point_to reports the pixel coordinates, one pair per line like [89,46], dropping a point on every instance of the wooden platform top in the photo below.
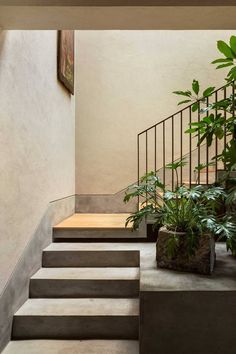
[111,221]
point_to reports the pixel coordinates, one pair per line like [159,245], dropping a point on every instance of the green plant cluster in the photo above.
[219,120]
[194,211]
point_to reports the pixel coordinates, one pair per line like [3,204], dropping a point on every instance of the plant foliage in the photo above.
[193,211]
[219,120]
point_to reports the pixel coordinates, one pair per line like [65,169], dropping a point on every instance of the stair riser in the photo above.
[73,347]
[100,233]
[75,327]
[53,288]
[90,259]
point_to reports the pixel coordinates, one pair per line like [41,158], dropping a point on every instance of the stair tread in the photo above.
[79,307]
[94,221]
[73,346]
[109,246]
[104,273]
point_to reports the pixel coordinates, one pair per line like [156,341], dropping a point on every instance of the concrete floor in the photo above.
[153,279]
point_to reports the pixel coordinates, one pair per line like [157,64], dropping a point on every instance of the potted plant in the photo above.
[187,218]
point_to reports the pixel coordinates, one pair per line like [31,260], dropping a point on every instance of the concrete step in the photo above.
[77,319]
[100,227]
[72,347]
[91,255]
[85,282]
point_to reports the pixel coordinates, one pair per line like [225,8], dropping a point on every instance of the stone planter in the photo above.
[201,262]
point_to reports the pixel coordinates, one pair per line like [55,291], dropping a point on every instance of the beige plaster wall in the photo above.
[36,139]
[125,80]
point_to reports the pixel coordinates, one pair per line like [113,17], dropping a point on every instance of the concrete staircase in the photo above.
[84,299]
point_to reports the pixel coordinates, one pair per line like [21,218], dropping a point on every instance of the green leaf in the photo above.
[195,107]
[224,65]
[219,132]
[208,91]
[185,101]
[222,60]
[176,164]
[202,166]
[209,138]
[197,124]
[195,86]
[208,119]
[233,43]
[232,70]
[183,93]
[191,130]
[225,49]
[232,73]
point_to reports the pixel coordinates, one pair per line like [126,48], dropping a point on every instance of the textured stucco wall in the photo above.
[125,80]
[36,139]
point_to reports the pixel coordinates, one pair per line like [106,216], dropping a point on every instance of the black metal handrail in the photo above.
[167,130]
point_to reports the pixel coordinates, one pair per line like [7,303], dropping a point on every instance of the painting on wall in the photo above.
[66,59]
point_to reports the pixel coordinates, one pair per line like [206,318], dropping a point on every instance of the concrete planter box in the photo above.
[201,262]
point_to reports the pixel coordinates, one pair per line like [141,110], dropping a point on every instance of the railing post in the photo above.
[138,177]
[155,152]
[207,151]
[216,142]
[181,146]
[172,152]
[198,148]
[164,152]
[225,117]
[190,149]
[233,92]
[146,159]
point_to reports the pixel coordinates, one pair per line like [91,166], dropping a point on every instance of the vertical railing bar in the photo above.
[155,154]
[190,149]
[138,168]
[225,117]
[233,92]
[234,98]
[181,146]
[172,146]
[207,151]
[164,153]
[146,159]
[216,142]
[146,152]
[199,148]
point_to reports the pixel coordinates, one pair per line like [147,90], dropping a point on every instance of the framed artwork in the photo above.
[66,59]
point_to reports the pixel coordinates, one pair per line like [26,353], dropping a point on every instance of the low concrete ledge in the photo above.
[185,313]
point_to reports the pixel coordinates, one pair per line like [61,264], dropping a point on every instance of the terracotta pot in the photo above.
[201,262]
